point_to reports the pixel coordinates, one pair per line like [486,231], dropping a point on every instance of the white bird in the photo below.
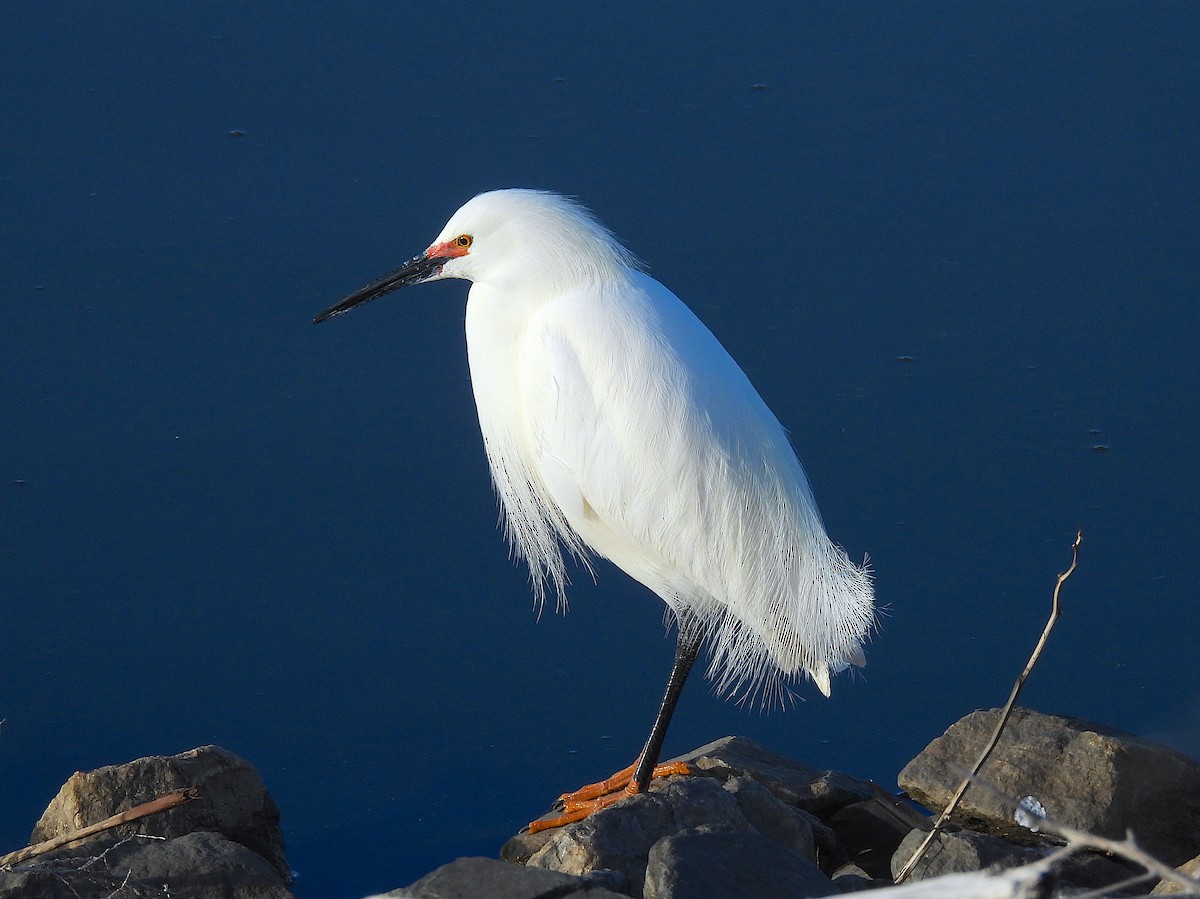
[616,424]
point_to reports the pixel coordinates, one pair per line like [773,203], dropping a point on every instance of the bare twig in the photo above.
[113,894]
[77,871]
[1006,712]
[1119,888]
[75,864]
[1126,848]
[159,804]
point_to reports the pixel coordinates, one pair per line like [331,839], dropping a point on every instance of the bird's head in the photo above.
[526,240]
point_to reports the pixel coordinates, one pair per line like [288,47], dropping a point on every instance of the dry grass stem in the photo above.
[1005,714]
[159,804]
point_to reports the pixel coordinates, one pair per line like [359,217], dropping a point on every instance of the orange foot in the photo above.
[581,803]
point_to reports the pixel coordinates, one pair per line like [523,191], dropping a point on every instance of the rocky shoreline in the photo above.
[747,822]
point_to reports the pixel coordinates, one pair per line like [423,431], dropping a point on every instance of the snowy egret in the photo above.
[616,424]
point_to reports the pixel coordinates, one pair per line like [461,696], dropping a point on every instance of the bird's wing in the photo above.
[621,427]
[663,458]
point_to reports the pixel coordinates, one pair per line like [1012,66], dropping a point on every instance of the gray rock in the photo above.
[800,791]
[963,851]
[201,865]
[233,801]
[43,882]
[869,832]
[476,878]
[721,864]
[745,824]
[739,787]
[224,845]
[1087,776]
[810,789]
[620,837]
[1168,888]
[787,826]
[959,852]
[1094,871]
[850,878]
[701,802]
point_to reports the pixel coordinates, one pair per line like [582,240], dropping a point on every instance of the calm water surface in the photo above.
[955,249]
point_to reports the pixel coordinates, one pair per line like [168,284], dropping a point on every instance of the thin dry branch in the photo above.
[1005,714]
[159,804]
[79,864]
[124,882]
[1126,848]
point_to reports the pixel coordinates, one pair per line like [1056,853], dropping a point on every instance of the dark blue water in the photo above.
[954,247]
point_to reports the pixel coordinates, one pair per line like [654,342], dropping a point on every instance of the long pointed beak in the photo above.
[418,269]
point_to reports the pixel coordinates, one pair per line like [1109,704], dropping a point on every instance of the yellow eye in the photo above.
[463,241]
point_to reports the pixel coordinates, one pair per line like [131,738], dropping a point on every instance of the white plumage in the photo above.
[616,424]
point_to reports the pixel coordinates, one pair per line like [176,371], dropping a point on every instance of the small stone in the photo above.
[850,878]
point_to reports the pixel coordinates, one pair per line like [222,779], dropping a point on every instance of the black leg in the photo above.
[686,649]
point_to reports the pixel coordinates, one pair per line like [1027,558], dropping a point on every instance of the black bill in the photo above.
[418,269]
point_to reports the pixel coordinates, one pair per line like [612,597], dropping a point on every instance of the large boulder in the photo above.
[224,845]
[201,865]
[233,801]
[1087,776]
[1171,888]
[690,830]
